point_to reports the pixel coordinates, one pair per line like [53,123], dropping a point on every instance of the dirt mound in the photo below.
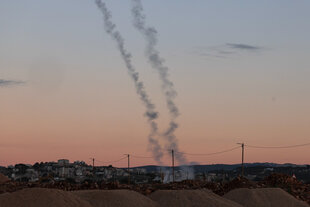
[189,198]
[3,179]
[262,197]
[115,198]
[38,197]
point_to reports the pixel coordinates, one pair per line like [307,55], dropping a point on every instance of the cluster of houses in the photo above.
[77,171]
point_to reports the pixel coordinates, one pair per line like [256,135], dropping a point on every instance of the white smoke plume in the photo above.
[153,55]
[151,112]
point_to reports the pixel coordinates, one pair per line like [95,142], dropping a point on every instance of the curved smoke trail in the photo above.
[157,63]
[150,113]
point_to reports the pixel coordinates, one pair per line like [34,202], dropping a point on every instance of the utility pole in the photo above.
[172,155]
[186,174]
[93,169]
[242,165]
[128,157]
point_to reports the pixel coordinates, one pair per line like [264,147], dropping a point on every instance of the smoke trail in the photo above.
[157,62]
[150,113]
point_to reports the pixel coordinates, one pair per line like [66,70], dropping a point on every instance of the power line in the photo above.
[113,160]
[278,147]
[143,157]
[208,154]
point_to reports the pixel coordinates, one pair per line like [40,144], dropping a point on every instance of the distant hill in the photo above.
[207,168]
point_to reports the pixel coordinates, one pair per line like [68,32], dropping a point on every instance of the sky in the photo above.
[241,70]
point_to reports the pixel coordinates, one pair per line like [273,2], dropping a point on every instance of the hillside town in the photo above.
[79,172]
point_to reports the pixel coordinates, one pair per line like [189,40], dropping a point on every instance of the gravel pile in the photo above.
[40,197]
[190,198]
[264,197]
[115,198]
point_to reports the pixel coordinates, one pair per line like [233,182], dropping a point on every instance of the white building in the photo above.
[63,162]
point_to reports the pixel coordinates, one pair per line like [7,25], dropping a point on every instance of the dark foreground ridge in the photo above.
[291,185]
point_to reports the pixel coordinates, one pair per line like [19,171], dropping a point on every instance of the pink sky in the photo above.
[78,128]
